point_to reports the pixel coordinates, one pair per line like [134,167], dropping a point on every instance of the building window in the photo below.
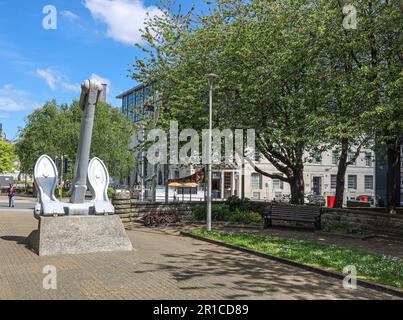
[278,184]
[350,157]
[227,180]
[333,182]
[369,182]
[368,159]
[335,157]
[352,182]
[256,195]
[258,156]
[256,181]
[133,103]
[317,158]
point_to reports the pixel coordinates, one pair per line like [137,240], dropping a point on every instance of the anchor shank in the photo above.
[89,99]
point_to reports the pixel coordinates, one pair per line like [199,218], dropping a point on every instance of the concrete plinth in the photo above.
[78,235]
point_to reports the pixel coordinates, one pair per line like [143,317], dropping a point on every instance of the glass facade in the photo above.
[138,103]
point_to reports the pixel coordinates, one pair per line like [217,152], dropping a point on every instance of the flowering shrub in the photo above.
[155,219]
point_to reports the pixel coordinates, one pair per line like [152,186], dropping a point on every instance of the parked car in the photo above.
[316,200]
[369,199]
[283,198]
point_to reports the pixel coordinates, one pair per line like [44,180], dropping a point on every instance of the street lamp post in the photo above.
[211,78]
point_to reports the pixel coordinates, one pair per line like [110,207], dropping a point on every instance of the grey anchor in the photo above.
[78,226]
[98,179]
[46,174]
[94,172]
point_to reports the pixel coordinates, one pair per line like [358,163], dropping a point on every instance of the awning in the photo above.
[194,179]
[190,184]
[174,184]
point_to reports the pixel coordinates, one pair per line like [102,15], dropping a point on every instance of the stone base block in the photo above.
[78,235]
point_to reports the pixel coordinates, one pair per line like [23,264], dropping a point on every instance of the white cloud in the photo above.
[49,76]
[7,87]
[15,104]
[102,80]
[70,15]
[71,87]
[124,18]
[56,80]
[14,100]
[12,54]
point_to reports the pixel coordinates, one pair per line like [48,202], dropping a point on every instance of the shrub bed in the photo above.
[234,210]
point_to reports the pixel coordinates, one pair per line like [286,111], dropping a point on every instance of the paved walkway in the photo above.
[163,266]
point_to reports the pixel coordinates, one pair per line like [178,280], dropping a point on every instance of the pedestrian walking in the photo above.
[175,195]
[11,195]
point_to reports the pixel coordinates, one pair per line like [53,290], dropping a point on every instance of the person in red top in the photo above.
[10,193]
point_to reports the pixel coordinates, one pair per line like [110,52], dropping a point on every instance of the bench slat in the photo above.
[293,219]
[293,213]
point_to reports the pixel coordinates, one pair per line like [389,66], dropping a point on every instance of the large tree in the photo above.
[7,156]
[361,67]
[259,50]
[289,69]
[384,76]
[54,130]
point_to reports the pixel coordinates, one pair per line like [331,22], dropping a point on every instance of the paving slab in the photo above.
[163,265]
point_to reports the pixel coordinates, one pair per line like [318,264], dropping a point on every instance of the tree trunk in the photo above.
[341,174]
[166,178]
[393,167]
[297,186]
[243,181]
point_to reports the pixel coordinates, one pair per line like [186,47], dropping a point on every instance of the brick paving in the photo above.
[163,266]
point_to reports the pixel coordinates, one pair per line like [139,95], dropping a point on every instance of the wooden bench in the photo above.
[308,214]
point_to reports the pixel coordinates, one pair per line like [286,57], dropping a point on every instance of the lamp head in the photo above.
[212,77]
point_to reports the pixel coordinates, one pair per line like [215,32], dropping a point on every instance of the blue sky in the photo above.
[93,39]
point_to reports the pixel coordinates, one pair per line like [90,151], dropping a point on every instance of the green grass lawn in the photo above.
[377,268]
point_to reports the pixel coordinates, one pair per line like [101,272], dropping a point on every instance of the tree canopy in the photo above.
[288,68]
[55,129]
[7,156]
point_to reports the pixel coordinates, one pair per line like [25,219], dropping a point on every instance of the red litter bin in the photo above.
[363,198]
[330,201]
